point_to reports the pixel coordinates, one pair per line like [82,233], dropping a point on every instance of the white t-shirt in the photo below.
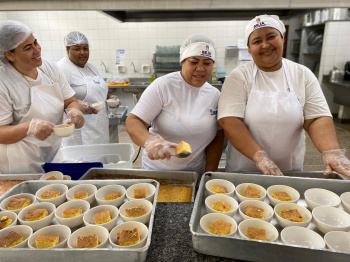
[179,111]
[75,78]
[15,90]
[237,86]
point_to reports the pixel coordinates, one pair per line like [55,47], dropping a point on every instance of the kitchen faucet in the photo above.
[132,64]
[106,70]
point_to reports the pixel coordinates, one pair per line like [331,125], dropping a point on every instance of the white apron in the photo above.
[96,127]
[275,120]
[29,154]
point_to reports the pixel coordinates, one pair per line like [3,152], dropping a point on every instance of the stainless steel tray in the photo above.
[170,178]
[20,176]
[250,250]
[67,254]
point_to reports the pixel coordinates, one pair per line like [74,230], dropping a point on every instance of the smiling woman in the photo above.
[180,106]
[33,96]
[266,104]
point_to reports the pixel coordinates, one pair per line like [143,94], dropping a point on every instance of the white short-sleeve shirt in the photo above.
[179,111]
[237,86]
[15,90]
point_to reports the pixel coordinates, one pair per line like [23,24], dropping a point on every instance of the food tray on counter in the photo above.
[169,178]
[83,254]
[252,250]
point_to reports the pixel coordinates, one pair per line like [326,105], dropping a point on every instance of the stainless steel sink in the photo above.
[137,85]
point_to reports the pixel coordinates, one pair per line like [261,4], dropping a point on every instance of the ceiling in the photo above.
[199,15]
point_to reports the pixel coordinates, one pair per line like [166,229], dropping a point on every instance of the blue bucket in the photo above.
[74,170]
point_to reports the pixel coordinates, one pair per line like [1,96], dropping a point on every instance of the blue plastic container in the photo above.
[74,170]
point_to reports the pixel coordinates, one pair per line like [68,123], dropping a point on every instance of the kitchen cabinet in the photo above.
[311,46]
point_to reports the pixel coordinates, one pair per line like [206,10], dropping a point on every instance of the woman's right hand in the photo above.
[158,148]
[40,129]
[265,164]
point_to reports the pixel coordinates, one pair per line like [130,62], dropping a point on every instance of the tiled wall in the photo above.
[336,47]
[138,39]
[335,52]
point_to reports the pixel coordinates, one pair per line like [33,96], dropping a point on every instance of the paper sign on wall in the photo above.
[120,56]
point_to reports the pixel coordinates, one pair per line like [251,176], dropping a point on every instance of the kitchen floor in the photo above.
[313,159]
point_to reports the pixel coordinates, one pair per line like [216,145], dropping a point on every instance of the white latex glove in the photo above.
[158,148]
[40,129]
[87,109]
[114,97]
[75,116]
[265,164]
[335,160]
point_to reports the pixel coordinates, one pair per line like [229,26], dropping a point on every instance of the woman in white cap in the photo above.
[89,88]
[266,105]
[33,97]
[180,106]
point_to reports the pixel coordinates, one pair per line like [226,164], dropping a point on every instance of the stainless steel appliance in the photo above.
[347,71]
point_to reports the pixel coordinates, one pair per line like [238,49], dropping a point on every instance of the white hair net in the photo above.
[264,21]
[197,45]
[75,38]
[12,34]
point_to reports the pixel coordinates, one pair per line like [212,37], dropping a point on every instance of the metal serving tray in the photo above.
[169,178]
[86,254]
[251,250]
[21,176]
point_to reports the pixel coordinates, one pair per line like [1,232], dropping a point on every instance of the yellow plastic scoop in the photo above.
[183,150]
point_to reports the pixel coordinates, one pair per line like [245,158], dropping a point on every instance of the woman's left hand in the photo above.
[335,160]
[75,116]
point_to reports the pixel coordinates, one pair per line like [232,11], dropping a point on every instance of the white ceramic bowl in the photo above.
[345,201]
[24,231]
[54,187]
[11,215]
[271,231]
[64,130]
[242,187]
[89,187]
[72,221]
[56,174]
[37,224]
[306,214]
[338,240]
[329,219]
[209,219]
[113,102]
[135,203]
[294,194]
[150,191]
[315,197]
[210,200]
[220,182]
[99,195]
[143,231]
[101,232]
[301,236]
[113,211]
[6,201]
[61,230]
[98,105]
[267,208]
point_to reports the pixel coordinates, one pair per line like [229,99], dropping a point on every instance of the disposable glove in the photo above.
[114,97]
[159,148]
[87,109]
[335,160]
[40,129]
[265,164]
[75,116]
